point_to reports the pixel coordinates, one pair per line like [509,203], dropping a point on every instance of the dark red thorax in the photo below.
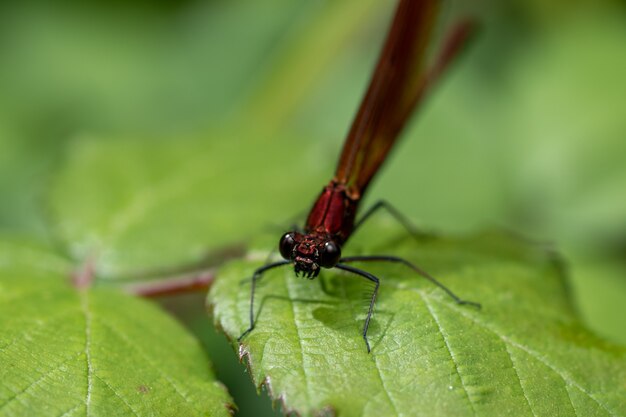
[332,215]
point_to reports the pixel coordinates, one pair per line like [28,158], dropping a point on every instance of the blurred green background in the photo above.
[528,132]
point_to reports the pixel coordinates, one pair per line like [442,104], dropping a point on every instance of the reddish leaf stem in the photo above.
[199,281]
[84,277]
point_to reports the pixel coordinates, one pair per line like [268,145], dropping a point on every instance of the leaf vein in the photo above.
[519,379]
[71,410]
[563,375]
[569,395]
[288,280]
[378,372]
[84,302]
[117,395]
[123,337]
[35,325]
[33,384]
[449,349]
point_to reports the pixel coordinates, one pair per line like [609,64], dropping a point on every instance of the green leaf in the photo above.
[523,353]
[138,206]
[92,352]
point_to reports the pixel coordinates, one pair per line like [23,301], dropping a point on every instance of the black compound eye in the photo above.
[330,254]
[287,242]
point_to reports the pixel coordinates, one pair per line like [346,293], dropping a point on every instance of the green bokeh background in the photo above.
[528,132]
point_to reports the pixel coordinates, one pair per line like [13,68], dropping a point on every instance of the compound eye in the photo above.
[330,254]
[287,242]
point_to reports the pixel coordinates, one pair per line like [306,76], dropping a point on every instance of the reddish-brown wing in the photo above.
[398,84]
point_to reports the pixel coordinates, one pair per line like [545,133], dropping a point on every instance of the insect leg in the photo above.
[376,281]
[258,274]
[400,218]
[420,271]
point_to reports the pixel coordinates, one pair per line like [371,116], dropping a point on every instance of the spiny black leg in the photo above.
[414,267]
[375,280]
[400,218]
[258,274]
